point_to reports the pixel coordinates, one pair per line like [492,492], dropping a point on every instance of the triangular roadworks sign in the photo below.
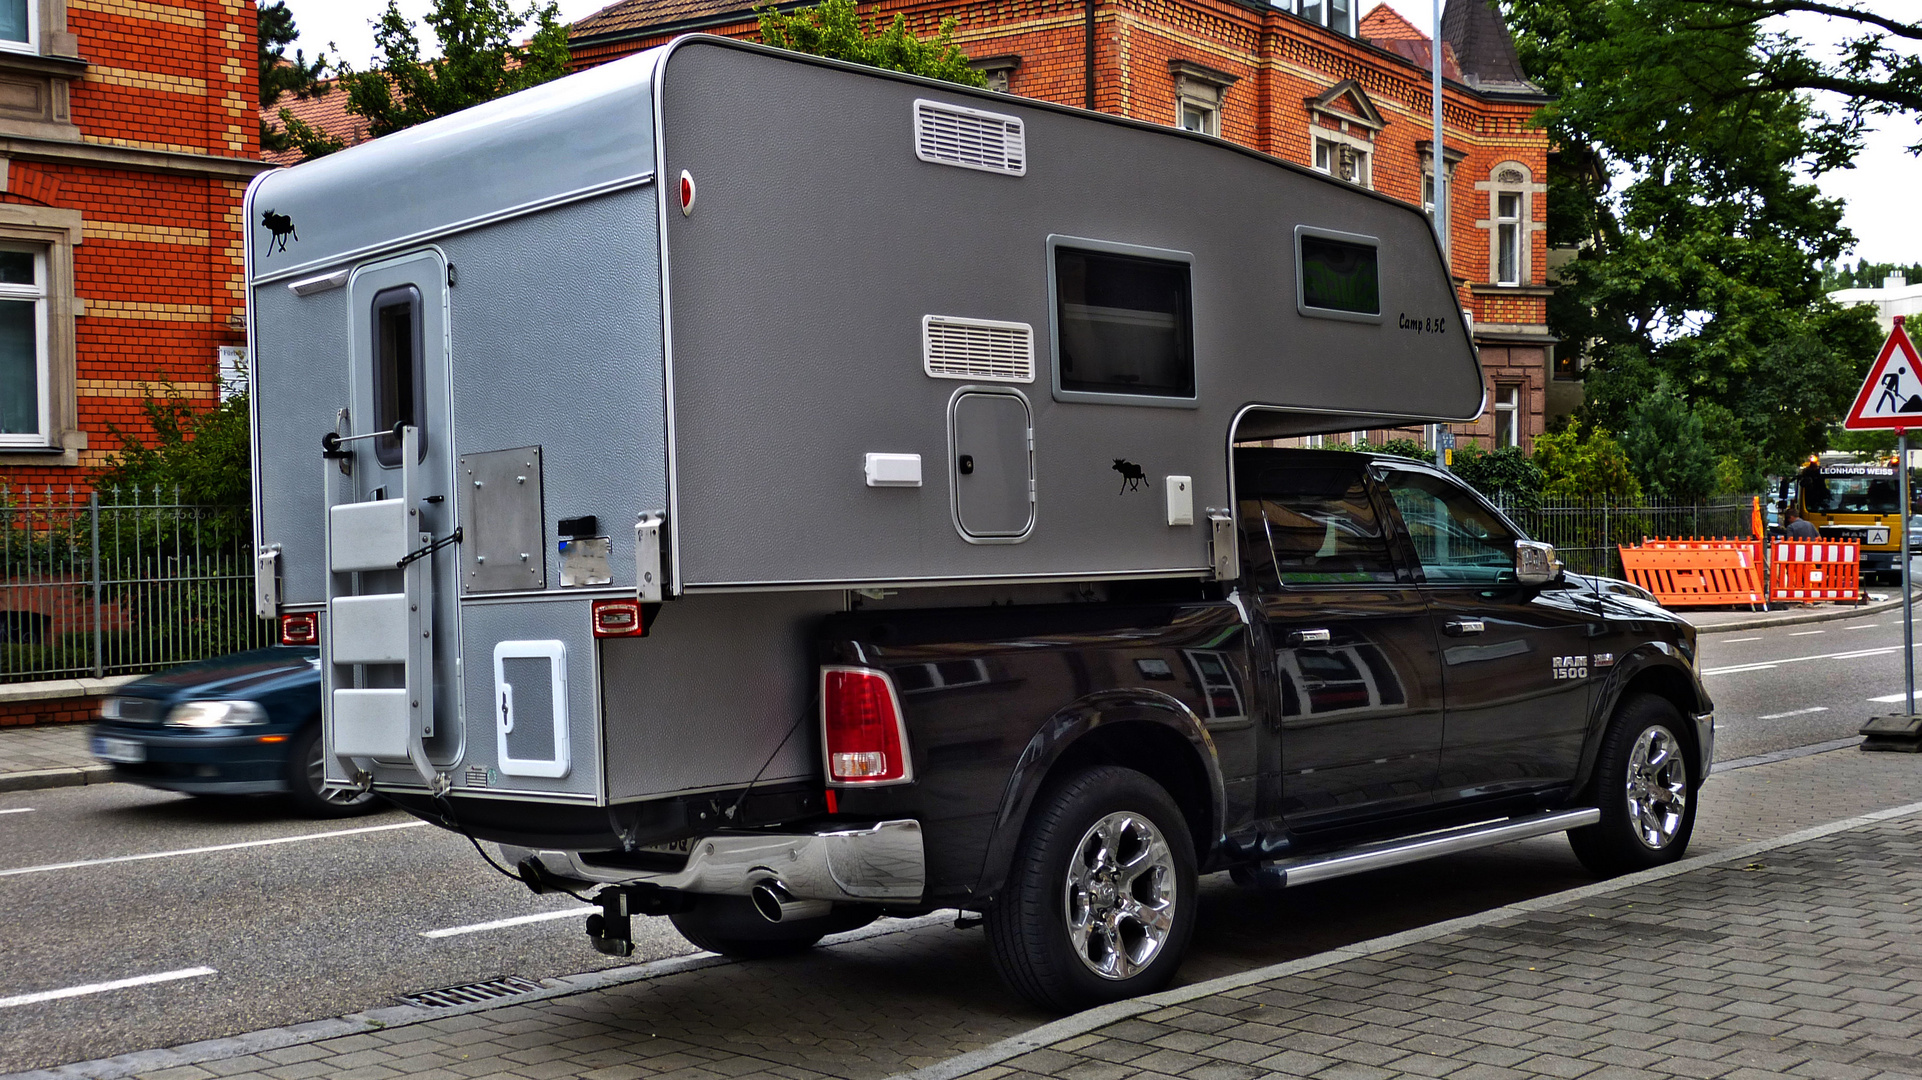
[1891,396]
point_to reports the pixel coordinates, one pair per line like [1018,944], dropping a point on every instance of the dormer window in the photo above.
[1336,15]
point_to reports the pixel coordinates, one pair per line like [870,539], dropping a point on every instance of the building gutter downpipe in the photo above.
[1087,34]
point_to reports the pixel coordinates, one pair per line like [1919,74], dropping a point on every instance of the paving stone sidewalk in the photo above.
[54,755]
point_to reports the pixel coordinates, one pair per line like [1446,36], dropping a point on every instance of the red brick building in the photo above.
[1299,79]
[128,133]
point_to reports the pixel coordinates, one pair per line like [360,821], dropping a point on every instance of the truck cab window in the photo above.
[1311,525]
[1457,540]
[399,369]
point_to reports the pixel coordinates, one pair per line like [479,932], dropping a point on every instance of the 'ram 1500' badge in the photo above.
[1569,667]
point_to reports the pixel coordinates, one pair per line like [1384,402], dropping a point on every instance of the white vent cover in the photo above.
[969,138]
[956,348]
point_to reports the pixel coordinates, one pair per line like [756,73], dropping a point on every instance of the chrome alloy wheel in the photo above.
[1120,895]
[1657,787]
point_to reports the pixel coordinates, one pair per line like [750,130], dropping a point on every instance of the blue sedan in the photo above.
[244,724]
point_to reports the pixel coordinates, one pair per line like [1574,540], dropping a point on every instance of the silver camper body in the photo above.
[746,332]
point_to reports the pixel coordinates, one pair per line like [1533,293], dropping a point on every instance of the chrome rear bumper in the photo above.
[882,863]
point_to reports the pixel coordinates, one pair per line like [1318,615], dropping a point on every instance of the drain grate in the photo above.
[472,993]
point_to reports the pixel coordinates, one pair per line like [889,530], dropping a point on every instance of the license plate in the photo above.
[672,847]
[124,751]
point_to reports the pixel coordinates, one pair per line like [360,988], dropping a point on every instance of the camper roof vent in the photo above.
[955,348]
[969,138]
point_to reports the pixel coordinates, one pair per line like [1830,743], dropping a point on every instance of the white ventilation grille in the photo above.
[969,138]
[954,348]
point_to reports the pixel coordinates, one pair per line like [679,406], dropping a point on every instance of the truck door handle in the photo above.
[1309,637]
[1463,627]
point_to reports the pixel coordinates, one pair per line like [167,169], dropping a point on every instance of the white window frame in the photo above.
[1508,408]
[1208,117]
[1336,144]
[1511,179]
[32,44]
[1508,237]
[43,368]
[1324,12]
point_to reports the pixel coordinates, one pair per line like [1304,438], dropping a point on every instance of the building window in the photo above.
[1510,223]
[1200,118]
[998,70]
[1199,91]
[17,24]
[1508,415]
[1340,160]
[1336,15]
[1508,238]
[25,375]
[1568,364]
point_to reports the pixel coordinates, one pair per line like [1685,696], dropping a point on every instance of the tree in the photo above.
[1699,237]
[479,61]
[833,29]
[1502,473]
[204,455]
[281,74]
[1668,448]
[1586,466]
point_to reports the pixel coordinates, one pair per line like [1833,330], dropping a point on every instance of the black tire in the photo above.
[729,925]
[304,773]
[1644,788]
[1057,883]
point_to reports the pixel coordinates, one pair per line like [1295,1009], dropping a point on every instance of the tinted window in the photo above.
[1457,539]
[1312,525]
[399,369]
[1124,324]
[1339,276]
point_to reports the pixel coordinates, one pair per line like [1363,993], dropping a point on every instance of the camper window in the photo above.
[1337,275]
[399,369]
[1124,328]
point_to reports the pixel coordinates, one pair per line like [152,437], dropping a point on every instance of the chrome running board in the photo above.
[1284,872]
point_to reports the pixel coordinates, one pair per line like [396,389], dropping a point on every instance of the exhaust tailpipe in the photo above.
[776,904]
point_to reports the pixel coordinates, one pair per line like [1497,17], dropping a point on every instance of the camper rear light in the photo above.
[619,618]
[862,732]
[300,628]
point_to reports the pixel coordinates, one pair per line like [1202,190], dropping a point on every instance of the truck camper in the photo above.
[775,493]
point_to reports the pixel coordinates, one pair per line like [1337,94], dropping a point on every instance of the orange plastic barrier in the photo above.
[1708,543]
[1815,571]
[1692,577]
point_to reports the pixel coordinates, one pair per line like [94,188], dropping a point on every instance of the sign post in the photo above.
[1891,399]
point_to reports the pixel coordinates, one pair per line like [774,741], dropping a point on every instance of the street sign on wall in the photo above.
[1891,397]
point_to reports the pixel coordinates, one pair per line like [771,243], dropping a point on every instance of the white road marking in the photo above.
[1806,633]
[18,810]
[1890,699]
[1739,640]
[1764,665]
[101,988]
[1869,626]
[518,920]
[1798,712]
[212,848]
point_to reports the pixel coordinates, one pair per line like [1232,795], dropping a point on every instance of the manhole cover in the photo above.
[472,993]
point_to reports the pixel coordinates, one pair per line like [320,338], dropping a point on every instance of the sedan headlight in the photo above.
[216,714]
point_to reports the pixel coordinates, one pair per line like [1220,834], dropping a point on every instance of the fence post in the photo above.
[99,647]
[1608,547]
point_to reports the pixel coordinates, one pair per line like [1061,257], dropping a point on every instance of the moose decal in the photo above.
[282,228]
[1132,478]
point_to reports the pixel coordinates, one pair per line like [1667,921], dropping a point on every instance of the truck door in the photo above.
[1355,687]
[391,644]
[1516,662]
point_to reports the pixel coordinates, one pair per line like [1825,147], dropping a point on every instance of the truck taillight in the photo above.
[862,733]
[300,628]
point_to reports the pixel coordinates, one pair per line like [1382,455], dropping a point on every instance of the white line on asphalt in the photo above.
[1866,626]
[1806,633]
[1797,712]
[1890,699]
[215,847]
[101,988]
[501,924]
[1764,665]
[18,810]
[1739,640]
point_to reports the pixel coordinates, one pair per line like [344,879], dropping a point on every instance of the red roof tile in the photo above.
[326,113]
[1385,24]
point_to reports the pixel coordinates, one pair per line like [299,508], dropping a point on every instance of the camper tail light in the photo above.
[862,733]
[619,618]
[300,628]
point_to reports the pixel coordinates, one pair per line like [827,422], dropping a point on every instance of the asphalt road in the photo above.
[286,920]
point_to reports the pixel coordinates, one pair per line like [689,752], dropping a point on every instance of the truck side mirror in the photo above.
[1535,563]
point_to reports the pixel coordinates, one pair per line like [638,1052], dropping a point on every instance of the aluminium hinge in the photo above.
[267,582]
[647,557]
[1221,542]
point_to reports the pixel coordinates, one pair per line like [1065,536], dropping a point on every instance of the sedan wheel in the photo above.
[306,781]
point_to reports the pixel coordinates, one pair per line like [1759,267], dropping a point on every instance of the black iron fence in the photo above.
[121,581]
[1587,535]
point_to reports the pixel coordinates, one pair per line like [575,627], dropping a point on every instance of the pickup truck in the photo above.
[1398,673]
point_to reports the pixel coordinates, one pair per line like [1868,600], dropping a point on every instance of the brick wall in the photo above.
[74,710]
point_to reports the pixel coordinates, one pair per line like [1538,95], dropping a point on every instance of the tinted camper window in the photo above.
[1340,275]
[399,369]
[1123,325]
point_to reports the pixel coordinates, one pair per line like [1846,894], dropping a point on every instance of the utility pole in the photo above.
[1437,160]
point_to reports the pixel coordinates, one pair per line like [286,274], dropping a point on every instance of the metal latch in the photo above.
[647,557]
[1221,540]
[267,582]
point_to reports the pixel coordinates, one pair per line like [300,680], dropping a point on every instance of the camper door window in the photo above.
[1123,325]
[400,371]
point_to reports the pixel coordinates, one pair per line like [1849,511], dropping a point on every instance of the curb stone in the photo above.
[1764,622]
[1097,1018]
[40,779]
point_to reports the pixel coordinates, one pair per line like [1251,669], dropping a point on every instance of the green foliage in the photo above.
[204,455]
[1586,465]
[1702,270]
[1502,473]
[1668,448]
[1866,275]
[833,29]
[1407,448]
[479,61]
[282,74]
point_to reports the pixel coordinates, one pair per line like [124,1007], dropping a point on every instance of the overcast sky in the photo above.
[1880,191]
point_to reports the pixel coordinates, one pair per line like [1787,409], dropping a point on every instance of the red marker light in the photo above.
[300,628]
[619,618]
[687,193]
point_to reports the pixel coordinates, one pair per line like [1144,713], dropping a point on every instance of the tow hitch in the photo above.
[612,931]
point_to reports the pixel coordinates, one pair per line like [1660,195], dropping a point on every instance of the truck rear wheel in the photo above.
[1643,789]
[730,925]
[1101,901]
